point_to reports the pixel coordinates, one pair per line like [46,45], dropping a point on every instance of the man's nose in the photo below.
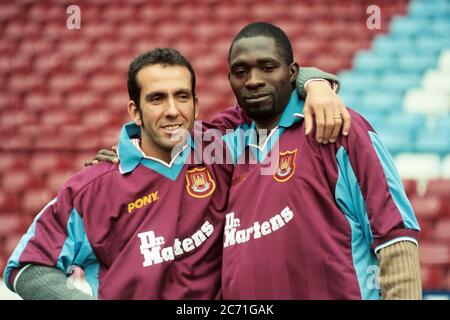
[172,108]
[254,80]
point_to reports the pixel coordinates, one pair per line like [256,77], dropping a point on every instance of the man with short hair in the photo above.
[329,216]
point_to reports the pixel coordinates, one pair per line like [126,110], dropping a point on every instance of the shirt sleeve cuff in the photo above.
[14,276]
[396,236]
[332,85]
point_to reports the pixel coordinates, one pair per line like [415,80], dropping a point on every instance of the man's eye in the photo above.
[239,72]
[155,99]
[268,68]
[183,97]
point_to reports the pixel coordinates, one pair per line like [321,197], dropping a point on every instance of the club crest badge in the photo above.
[199,183]
[286,166]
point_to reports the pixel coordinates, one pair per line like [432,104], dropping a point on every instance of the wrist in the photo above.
[317,83]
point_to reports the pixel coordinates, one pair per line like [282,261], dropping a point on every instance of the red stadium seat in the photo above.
[442,230]
[11,243]
[8,201]
[23,83]
[428,208]
[56,180]
[106,83]
[9,224]
[34,201]
[433,278]
[65,83]
[59,118]
[19,181]
[7,162]
[43,162]
[438,187]
[434,253]
[42,101]
[56,142]
[447,280]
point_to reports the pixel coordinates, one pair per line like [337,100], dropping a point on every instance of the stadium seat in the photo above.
[418,166]
[435,141]
[383,44]
[444,60]
[381,102]
[434,254]
[396,139]
[426,102]
[357,82]
[55,181]
[11,243]
[18,181]
[405,26]
[369,61]
[395,82]
[433,278]
[416,62]
[34,200]
[428,208]
[442,230]
[9,224]
[447,281]
[430,8]
[446,167]
[437,80]
[44,162]
[438,187]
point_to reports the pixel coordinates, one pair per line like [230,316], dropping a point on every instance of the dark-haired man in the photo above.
[328,217]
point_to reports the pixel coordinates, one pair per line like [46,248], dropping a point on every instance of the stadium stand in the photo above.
[64,91]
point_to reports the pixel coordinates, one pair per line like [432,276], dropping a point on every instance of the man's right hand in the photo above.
[104,155]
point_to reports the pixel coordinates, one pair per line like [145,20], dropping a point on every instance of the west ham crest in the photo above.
[286,166]
[199,183]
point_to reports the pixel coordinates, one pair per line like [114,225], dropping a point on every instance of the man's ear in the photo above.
[293,71]
[196,108]
[133,110]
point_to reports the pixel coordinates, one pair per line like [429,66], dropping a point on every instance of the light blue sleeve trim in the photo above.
[78,251]
[13,261]
[349,198]
[395,183]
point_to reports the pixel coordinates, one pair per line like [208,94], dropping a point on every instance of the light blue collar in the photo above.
[245,136]
[130,157]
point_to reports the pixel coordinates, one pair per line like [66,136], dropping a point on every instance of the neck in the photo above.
[158,153]
[267,124]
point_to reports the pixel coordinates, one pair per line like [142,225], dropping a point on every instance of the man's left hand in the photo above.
[329,111]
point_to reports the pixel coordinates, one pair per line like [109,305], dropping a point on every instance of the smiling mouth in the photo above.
[171,127]
[257,97]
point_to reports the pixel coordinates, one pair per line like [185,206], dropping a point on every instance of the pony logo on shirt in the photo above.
[286,166]
[199,183]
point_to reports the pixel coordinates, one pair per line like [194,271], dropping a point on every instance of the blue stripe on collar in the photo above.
[130,157]
[245,135]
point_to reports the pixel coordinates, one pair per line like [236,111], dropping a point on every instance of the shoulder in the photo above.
[85,178]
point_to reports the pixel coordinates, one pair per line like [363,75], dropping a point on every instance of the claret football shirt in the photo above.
[143,229]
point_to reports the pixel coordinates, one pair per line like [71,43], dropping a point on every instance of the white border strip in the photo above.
[384,245]
[18,275]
